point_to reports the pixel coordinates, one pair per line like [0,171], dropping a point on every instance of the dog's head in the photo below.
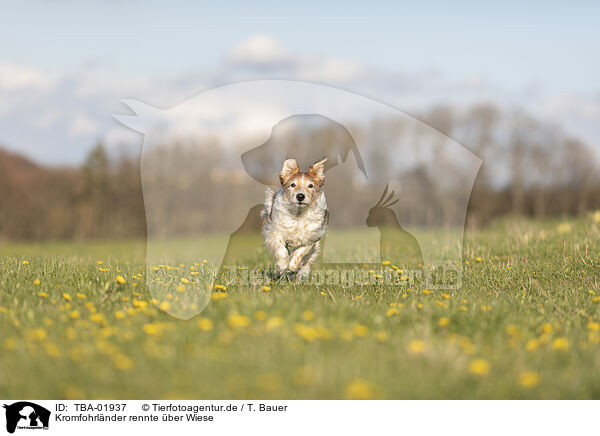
[301,189]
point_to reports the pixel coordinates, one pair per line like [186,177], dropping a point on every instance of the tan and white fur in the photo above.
[295,218]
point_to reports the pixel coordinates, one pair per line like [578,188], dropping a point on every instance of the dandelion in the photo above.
[36,282]
[381,336]
[392,311]
[420,306]
[561,344]
[479,367]
[274,322]
[97,318]
[386,262]
[164,306]
[80,296]
[235,320]
[38,334]
[444,322]
[596,299]
[185,281]
[359,389]
[139,304]
[66,296]
[593,326]
[356,298]
[219,295]
[152,329]
[445,296]
[52,350]
[306,332]
[121,280]
[25,262]
[74,314]
[307,315]
[205,324]
[43,294]
[266,288]
[416,347]
[122,362]
[529,379]
[119,314]
[478,259]
[220,287]
[547,328]
[180,289]
[426,291]
[99,262]
[260,315]
[361,331]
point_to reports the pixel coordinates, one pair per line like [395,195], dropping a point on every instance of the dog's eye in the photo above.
[293,185]
[310,185]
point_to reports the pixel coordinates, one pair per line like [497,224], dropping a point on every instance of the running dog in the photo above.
[295,218]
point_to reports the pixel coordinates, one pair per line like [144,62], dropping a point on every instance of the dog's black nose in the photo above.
[300,197]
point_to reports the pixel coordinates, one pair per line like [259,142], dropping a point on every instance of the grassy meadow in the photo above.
[77,322]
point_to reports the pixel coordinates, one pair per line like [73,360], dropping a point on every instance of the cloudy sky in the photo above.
[65,64]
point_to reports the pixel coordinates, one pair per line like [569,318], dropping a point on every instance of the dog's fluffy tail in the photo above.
[269,198]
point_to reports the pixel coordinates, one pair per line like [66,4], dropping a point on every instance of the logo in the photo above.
[26,415]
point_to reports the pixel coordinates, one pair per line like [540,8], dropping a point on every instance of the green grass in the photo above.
[523,325]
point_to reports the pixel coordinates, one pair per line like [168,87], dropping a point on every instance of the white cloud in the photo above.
[259,51]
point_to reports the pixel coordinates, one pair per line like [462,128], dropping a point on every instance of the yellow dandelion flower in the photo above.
[547,328]
[266,288]
[532,345]
[205,324]
[478,259]
[74,314]
[260,315]
[392,311]
[445,296]
[66,296]
[593,326]
[358,297]
[25,262]
[235,320]
[479,367]
[219,295]
[386,262]
[185,281]
[180,288]
[529,379]
[416,347]
[139,304]
[274,322]
[360,330]
[359,389]
[444,322]
[596,299]
[52,350]
[165,305]
[220,287]
[426,291]
[119,314]
[561,344]
[420,306]
[121,280]
[307,315]
[43,294]
[381,336]
[38,334]
[80,296]
[152,328]
[122,362]
[36,282]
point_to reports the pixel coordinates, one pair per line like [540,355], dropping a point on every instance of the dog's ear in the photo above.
[317,171]
[288,170]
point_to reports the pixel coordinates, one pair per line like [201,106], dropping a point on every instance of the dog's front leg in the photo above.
[280,253]
[297,259]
